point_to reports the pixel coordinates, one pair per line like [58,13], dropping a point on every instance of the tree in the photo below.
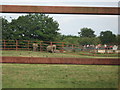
[87,32]
[107,37]
[34,27]
[118,39]
[89,41]
[6,32]
[69,39]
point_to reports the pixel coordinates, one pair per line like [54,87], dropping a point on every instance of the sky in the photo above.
[70,24]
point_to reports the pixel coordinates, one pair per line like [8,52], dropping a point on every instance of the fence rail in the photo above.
[28,45]
[42,60]
[60,9]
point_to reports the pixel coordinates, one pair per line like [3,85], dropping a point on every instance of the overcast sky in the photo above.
[71,24]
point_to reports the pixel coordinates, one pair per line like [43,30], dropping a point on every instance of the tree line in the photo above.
[41,27]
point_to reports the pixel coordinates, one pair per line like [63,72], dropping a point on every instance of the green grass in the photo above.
[35,54]
[100,54]
[45,54]
[59,76]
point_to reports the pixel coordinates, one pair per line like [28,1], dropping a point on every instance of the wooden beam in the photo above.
[60,9]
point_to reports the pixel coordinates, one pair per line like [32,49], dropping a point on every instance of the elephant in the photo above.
[51,48]
[35,46]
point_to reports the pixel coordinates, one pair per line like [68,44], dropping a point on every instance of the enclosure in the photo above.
[57,76]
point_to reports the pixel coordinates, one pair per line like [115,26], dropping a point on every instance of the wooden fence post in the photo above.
[40,46]
[50,43]
[16,45]
[62,46]
[28,44]
[4,45]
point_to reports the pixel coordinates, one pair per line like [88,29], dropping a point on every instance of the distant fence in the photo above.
[28,45]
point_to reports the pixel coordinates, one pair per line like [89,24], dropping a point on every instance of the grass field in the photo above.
[59,76]
[45,54]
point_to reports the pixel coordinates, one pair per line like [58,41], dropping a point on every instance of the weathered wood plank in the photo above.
[60,9]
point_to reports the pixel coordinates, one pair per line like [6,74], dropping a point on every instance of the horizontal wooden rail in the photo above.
[60,9]
[27,45]
[42,60]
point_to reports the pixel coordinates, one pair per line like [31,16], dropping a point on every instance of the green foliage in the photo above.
[89,41]
[96,41]
[41,27]
[118,39]
[31,27]
[87,32]
[6,31]
[107,37]
[69,39]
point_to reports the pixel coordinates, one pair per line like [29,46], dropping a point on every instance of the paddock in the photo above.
[28,75]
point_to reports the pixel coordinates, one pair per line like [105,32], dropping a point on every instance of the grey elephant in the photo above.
[51,48]
[35,46]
